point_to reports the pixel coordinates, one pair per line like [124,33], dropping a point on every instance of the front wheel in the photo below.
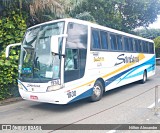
[144,79]
[97,91]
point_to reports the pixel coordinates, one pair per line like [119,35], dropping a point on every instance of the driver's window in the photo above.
[71,59]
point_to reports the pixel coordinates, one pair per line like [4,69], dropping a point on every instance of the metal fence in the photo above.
[157,100]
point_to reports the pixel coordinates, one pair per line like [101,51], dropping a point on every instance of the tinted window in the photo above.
[75,52]
[130,44]
[151,48]
[77,36]
[113,42]
[71,59]
[138,46]
[104,40]
[95,39]
[126,43]
[75,63]
[145,46]
[119,42]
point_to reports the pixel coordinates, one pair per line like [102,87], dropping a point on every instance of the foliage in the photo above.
[123,15]
[12,28]
[102,11]
[138,13]
[85,16]
[157,50]
[8,74]
[157,42]
[148,33]
[38,11]
[42,10]
[157,46]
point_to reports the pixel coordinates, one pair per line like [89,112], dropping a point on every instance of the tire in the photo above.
[97,91]
[144,79]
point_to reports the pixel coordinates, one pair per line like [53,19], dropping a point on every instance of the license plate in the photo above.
[33,97]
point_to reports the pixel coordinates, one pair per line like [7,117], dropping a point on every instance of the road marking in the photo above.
[111,131]
[152,105]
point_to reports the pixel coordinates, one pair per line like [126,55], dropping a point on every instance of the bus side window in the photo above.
[136,46]
[144,45]
[113,42]
[119,42]
[151,48]
[71,60]
[104,40]
[147,50]
[140,46]
[95,39]
[130,44]
[126,44]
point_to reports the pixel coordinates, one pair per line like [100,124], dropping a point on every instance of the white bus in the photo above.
[66,60]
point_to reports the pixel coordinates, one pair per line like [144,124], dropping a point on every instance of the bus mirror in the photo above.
[54,44]
[8,48]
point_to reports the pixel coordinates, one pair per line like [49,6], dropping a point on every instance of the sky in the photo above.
[156,24]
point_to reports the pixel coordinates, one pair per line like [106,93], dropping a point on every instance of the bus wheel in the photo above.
[97,91]
[144,79]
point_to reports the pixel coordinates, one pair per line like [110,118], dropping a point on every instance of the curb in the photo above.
[10,100]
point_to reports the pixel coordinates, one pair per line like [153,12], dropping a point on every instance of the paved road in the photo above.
[125,105]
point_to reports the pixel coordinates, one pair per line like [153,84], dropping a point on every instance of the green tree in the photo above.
[12,28]
[157,42]
[148,33]
[157,46]
[103,12]
[136,13]
[38,10]
[123,15]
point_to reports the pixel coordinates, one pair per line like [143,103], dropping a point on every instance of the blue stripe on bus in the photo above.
[89,92]
[86,94]
[151,68]
[112,79]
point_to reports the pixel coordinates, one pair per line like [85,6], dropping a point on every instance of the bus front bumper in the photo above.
[54,97]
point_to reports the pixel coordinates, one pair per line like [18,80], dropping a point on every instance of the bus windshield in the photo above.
[37,63]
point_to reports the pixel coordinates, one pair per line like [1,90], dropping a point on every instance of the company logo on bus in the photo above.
[126,59]
[33,85]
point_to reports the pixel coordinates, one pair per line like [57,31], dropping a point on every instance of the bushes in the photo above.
[157,46]
[12,28]
[8,75]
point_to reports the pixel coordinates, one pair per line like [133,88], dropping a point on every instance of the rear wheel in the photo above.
[97,91]
[144,79]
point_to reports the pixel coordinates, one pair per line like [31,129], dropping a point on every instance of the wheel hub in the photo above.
[97,91]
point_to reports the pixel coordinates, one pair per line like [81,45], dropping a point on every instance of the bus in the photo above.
[66,60]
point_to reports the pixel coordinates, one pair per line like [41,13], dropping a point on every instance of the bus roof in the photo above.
[94,25]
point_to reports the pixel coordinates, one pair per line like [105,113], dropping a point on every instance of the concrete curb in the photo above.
[10,100]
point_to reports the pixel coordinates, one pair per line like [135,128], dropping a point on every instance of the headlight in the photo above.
[20,86]
[54,88]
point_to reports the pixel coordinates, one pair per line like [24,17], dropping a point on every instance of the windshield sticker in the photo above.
[55,82]
[26,70]
[49,74]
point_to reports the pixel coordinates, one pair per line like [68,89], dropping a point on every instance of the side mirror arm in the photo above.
[8,48]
